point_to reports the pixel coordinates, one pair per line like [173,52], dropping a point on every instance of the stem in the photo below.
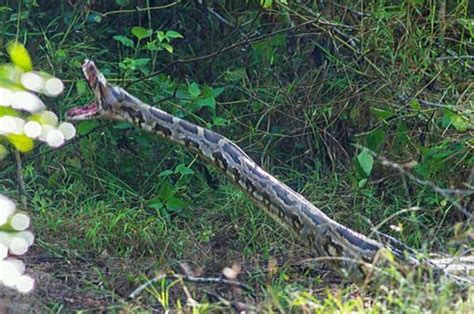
[21,181]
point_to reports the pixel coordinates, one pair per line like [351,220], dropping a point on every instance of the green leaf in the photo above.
[193,90]
[209,102]
[127,42]
[166,191]
[173,34]
[123,126]
[94,17]
[155,203]
[161,36]
[166,173]
[362,183]
[175,204]
[20,56]
[85,127]
[402,135]
[167,47]
[82,87]
[7,111]
[22,16]
[415,105]
[266,4]
[375,139]
[459,122]
[366,161]
[382,114]
[235,75]
[141,32]
[151,45]
[182,169]
[217,91]
[218,121]
[21,142]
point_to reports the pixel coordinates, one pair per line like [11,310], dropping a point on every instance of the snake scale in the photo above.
[343,249]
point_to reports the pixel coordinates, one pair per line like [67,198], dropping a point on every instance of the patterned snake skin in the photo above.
[343,249]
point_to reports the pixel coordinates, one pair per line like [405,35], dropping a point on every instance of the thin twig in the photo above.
[194,279]
[21,181]
[455,58]
[455,55]
[405,99]
[138,9]
[216,53]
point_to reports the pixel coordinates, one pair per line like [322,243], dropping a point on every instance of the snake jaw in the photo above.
[99,86]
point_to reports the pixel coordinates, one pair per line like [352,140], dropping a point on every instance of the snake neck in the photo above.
[336,244]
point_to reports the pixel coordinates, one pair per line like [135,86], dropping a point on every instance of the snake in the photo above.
[341,248]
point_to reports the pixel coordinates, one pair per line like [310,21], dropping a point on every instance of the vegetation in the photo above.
[365,107]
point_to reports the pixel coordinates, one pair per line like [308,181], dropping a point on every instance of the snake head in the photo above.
[106,96]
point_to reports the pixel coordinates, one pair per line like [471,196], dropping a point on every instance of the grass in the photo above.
[99,234]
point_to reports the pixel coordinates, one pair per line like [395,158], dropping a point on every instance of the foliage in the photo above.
[18,84]
[302,98]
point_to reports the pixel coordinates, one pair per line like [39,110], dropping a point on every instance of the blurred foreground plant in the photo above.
[14,240]
[23,115]
[23,119]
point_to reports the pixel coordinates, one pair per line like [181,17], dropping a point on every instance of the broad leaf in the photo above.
[167,47]
[182,169]
[175,204]
[160,35]
[194,90]
[127,42]
[141,32]
[366,161]
[209,102]
[173,34]
[218,121]
[166,191]
[166,173]
[85,127]
[217,91]
[155,203]
[459,122]
[375,139]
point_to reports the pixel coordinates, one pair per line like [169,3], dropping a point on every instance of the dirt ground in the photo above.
[65,282]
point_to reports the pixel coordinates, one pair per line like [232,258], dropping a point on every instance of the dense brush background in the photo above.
[117,205]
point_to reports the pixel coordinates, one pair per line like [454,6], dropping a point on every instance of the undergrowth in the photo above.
[117,206]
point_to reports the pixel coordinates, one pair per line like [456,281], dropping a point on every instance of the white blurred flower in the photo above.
[6,97]
[7,208]
[7,124]
[27,101]
[49,117]
[18,126]
[68,130]
[55,138]
[45,129]
[32,81]
[25,284]
[32,129]
[54,87]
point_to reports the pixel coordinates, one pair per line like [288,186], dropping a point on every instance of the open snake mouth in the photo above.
[97,84]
